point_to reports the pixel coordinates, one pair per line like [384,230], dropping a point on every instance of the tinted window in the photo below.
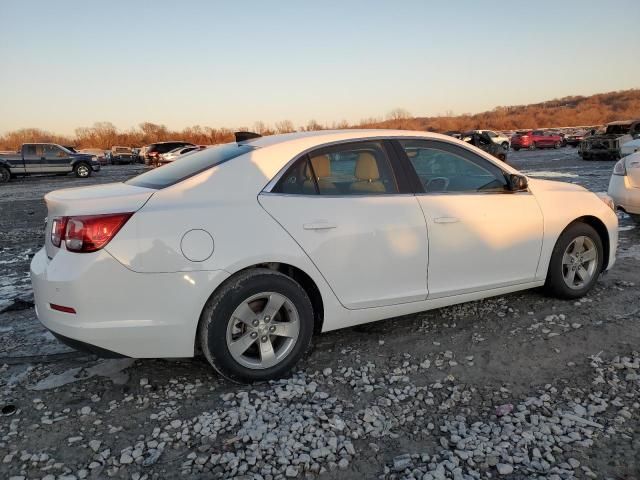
[448,169]
[361,168]
[189,166]
[53,151]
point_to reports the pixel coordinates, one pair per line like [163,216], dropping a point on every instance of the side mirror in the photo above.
[518,183]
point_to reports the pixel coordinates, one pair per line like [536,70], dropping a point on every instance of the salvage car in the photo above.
[624,185]
[607,145]
[177,152]
[33,158]
[264,242]
[497,137]
[573,139]
[153,151]
[484,141]
[121,155]
[532,139]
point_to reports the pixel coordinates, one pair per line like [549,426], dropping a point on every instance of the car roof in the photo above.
[320,137]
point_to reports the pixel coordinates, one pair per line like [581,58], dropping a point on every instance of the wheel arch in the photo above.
[599,226]
[295,273]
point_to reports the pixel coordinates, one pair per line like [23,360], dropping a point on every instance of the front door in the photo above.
[481,236]
[344,207]
[55,160]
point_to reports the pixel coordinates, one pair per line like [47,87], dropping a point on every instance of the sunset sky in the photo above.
[67,64]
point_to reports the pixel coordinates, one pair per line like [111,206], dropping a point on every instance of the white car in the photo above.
[498,138]
[624,186]
[177,152]
[630,147]
[247,249]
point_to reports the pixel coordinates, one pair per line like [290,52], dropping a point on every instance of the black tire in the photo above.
[212,329]
[557,145]
[555,284]
[533,146]
[82,170]
[505,145]
[5,175]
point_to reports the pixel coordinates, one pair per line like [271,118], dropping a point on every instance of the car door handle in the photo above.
[321,225]
[446,220]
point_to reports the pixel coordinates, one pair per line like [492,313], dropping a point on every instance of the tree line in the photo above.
[564,112]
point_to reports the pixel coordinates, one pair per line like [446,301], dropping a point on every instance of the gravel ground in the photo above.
[519,386]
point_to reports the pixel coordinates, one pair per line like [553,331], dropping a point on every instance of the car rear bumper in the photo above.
[119,311]
[625,196]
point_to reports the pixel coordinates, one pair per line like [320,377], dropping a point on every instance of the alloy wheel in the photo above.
[263,330]
[83,171]
[579,262]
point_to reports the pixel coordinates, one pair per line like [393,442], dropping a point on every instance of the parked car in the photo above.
[624,185]
[498,138]
[154,150]
[121,155]
[454,134]
[46,158]
[484,141]
[573,139]
[100,154]
[607,145]
[630,147]
[263,242]
[177,152]
[533,139]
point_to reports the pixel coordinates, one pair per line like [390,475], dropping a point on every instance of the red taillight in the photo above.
[89,233]
[62,308]
[58,226]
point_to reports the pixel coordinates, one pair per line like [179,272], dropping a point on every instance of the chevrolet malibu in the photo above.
[246,250]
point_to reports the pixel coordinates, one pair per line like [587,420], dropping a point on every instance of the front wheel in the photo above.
[557,145]
[505,145]
[5,175]
[532,146]
[82,170]
[517,149]
[576,262]
[257,326]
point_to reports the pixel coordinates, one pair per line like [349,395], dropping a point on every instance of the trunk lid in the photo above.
[94,200]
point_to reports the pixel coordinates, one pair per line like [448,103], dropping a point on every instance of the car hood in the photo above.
[538,185]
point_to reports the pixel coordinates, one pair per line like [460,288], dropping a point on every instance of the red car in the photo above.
[533,139]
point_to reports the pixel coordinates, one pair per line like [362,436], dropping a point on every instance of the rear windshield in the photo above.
[195,163]
[618,129]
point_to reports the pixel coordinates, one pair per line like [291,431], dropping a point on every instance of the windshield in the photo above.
[619,129]
[195,163]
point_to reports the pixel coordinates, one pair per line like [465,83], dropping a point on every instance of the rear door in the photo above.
[350,210]
[33,157]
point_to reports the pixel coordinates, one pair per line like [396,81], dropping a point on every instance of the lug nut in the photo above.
[272,328]
[255,323]
[267,319]
[264,339]
[254,334]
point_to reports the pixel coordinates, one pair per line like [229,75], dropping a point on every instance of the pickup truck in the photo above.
[46,158]
[608,145]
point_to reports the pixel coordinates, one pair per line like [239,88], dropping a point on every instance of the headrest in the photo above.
[321,166]
[366,167]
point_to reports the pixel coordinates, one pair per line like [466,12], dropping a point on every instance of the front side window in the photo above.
[53,151]
[359,168]
[447,169]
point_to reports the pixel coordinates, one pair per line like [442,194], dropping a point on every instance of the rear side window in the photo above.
[176,172]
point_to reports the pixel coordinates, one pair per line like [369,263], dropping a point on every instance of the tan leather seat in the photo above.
[367,174]
[322,168]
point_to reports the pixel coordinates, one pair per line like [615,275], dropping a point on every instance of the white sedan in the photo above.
[248,249]
[624,186]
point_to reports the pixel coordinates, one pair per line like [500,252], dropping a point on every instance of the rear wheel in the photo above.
[557,145]
[576,262]
[82,170]
[5,175]
[257,326]
[517,149]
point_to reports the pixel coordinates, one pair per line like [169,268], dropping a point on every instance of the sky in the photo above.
[68,63]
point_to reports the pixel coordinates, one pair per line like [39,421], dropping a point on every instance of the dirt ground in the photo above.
[519,386]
